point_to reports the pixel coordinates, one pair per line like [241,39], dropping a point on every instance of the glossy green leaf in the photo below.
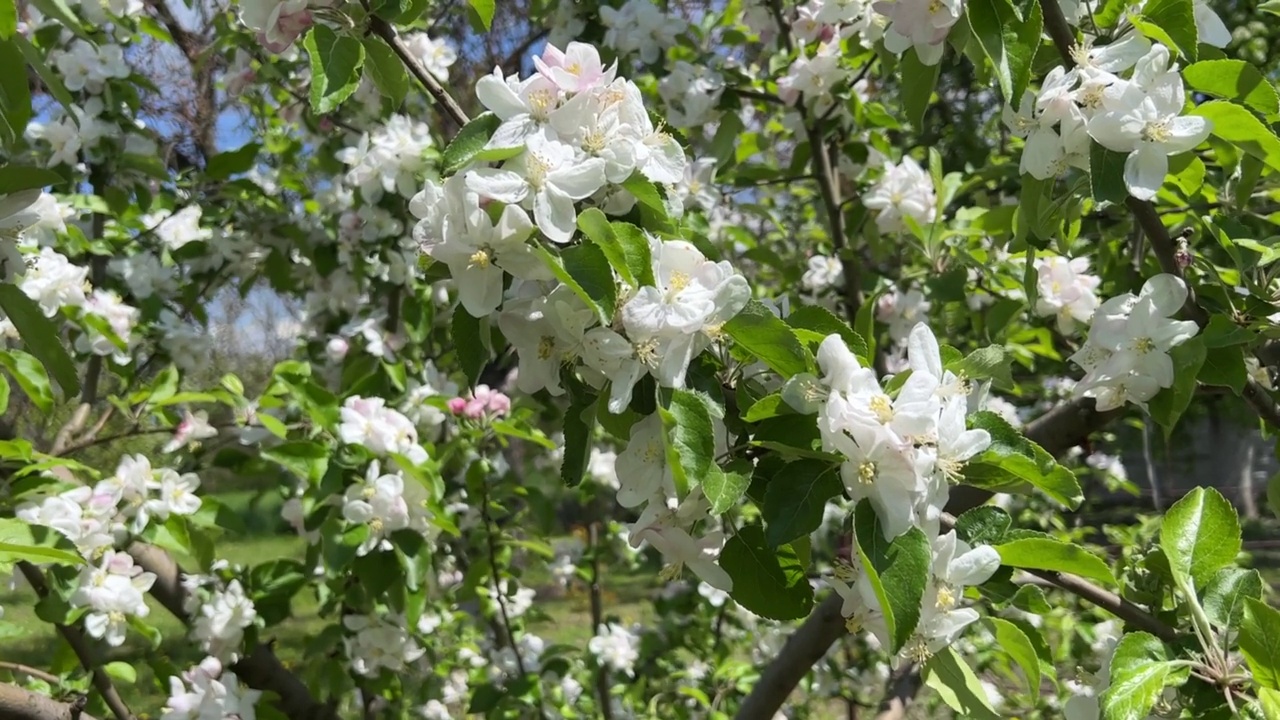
[1225,593]
[336,61]
[1140,671]
[760,332]
[31,377]
[16,178]
[724,489]
[579,423]
[897,569]
[591,270]
[468,143]
[955,682]
[984,525]
[484,10]
[1171,22]
[8,19]
[1260,642]
[1200,535]
[1225,367]
[822,322]
[769,582]
[596,227]
[1049,554]
[1241,128]
[468,337]
[1013,641]
[1009,42]
[1106,174]
[918,81]
[691,449]
[1234,80]
[386,70]
[796,499]
[304,458]
[40,336]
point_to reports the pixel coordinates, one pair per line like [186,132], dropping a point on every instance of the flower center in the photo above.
[1157,132]
[536,169]
[1144,345]
[852,624]
[593,141]
[866,472]
[546,347]
[480,259]
[679,281]
[882,408]
[946,597]
[647,351]
[541,102]
[918,651]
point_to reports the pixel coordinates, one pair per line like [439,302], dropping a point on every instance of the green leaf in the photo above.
[635,245]
[31,378]
[468,143]
[1048,554]
[119,671]
[1186,172]
[588,268]
[1225,367]
[918,81]
[1171,22]
[336,61]
[724,489]
[692,445]
[766,407]
[8,19]
[1009,42]
[484,10]
[761,333]
[1106,174]
[1225,593]
[1269,699]
[1241,128]
[796,498]
[16,178]
[308,460]
[468,336]
[1200,535]
[646,193]
[1109,12]
[984,525]
[769,582]
[386,70]
[52,81]
[1004,468]
[1011,639]
[1169,404]
[1140,671]
[40,337]
[595,226]
[1260,642]
[588,265]
[1222,332]
[57,9]
[18,543]
[15,95]
[1234,80]
[579,423]
[225,164]
[823,322]
[988,363]
[954,681]
[898,571]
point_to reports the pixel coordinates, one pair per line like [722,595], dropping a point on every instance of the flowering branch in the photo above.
[75,638]
[20,704]
[1148,218]
[260,669]
[382,29]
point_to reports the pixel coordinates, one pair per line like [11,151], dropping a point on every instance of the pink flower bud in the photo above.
[1182,256]
[457,405]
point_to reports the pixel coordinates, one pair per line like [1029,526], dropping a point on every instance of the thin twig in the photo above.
[597,617]
[382,29]
[28,670]
[76,639]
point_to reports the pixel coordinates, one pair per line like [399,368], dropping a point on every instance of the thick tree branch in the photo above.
[448,105]
[20,704]
[260,669]
[80,646]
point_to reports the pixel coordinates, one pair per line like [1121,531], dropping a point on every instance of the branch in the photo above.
[80,646]
[451,108]
[19,704]
[597,617]
[903,687]
[260,669]
[30,672]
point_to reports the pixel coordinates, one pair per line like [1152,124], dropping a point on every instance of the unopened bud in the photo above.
[1182,256]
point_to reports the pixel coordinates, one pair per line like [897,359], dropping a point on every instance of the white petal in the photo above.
[1144,172]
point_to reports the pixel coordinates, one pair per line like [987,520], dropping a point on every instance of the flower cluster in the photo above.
[1126,357]
[1140,116]
[904,190]
[1065,290]
[85,66]
[640,27]
[902,454]
[93,518]
[615,647]
[277,22]
[379,642]
[205,692]
[389,159]
[222,619]
[384,503]
[113,591]
[384,431]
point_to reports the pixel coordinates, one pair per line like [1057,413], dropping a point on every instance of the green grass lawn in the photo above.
[27,640]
